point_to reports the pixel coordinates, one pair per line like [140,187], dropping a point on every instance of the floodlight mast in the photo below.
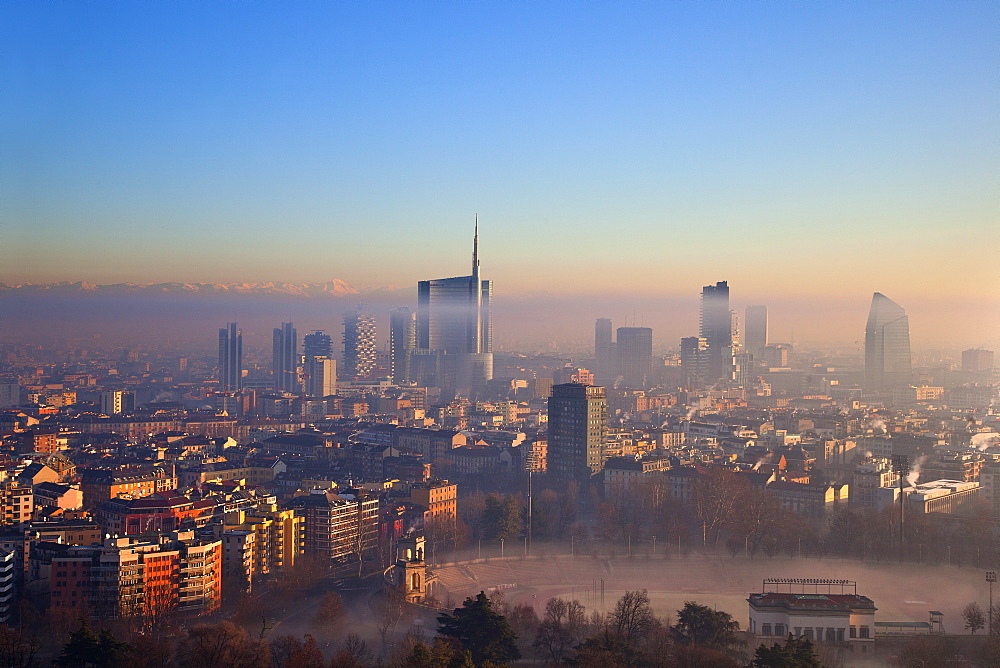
[901,467]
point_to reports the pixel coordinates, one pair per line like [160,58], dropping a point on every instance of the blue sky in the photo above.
[826,148]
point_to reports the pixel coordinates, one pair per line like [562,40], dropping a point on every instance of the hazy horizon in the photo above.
[619,156]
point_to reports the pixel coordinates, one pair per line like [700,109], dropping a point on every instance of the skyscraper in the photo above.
[285,358]
[402,342]
[977,359]
[717,330]
[887,345]
[605,362]
[578,430]
[359,344]
[755,330]
[230,358]
[453,317]
[320,376]
[317,344]
[694,360]
[635,356]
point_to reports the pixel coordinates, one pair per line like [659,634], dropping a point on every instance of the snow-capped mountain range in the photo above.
[333,288]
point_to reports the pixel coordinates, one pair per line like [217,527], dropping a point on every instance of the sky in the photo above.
[805,152]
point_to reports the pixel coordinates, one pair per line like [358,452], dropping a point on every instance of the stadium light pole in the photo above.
[901,467]
[991,577]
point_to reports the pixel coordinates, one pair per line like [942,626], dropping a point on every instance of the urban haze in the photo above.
[608,334]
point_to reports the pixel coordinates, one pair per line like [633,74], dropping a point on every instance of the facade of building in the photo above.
[953,497]
[230,358]
[454,318]
[131,482]
[605,361]
[578,429]
[977,359]
[811,500]
[126,577]
[17,501]
[321,376]
[755,330]
[716,327]
[887,345]
[635,356]
[809,608]
[340,529]
[261,541]
[317,344]
[402,342]
[694,360]
[440,497]
[285,358]
[116,402]
[8,574]
[359,345]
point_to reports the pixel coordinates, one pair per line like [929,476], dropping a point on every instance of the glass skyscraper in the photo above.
[887,345]
[453,318]
[285,358]
[230,358]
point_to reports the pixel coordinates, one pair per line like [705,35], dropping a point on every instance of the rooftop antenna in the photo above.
[475,247]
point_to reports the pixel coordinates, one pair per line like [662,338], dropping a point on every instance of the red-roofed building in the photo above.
[821,610]
[158,513]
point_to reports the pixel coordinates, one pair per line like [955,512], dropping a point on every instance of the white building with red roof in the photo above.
[821,610]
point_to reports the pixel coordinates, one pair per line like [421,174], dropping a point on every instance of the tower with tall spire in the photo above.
[453,318]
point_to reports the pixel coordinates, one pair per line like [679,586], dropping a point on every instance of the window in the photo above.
[854,631]
[798,631]
[765,629]
[808,632]
[840,635]
[779,630]
[831,634]
[864,632]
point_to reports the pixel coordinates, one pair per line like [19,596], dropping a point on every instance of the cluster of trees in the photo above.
[201,646]
[486,631]
[724,511]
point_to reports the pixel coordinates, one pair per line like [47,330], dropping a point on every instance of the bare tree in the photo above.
[975,618]
[330,612]
[717,495]
[390,604]
[353,653]
[563,626]
[223,644]
[633,616]
[17,649]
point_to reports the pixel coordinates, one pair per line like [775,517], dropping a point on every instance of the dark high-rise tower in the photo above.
[230,358]
[887,345]
[285,358]
[635,356]
[359,344]
[402,341]
[317,344]
[755,330]
[717,330]
[453,317]
[578,430]
[605,362]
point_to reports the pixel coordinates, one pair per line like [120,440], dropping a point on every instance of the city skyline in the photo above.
[853,137]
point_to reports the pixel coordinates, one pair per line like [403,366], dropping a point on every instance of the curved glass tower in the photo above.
[887,345]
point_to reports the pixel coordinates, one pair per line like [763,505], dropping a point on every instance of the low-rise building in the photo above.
[821,610]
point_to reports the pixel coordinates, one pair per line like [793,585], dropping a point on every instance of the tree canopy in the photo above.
[701,625]
[795,653]
[480,630]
